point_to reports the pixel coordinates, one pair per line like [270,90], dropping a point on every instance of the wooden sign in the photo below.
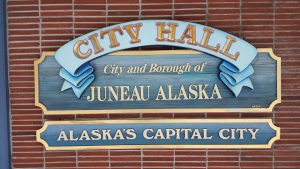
[167,133]
[218,73]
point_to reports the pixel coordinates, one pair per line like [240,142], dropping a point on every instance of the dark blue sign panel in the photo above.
[170,133]
[156,81]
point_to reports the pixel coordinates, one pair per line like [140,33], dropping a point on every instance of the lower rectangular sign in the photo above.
[166,133]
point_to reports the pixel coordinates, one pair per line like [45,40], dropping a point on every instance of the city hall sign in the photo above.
[106,71]
[215,72]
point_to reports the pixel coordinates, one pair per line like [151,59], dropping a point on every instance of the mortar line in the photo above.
[241,19]
[206,158]
[206,12]
[40,49]
[106,12]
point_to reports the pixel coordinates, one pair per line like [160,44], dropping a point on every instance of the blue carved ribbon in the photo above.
[77,72]
[234,79]
[79,81]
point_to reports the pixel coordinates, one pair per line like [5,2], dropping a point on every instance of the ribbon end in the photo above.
[78,94]
[246,83]
[65,86]
[78,90]
[234,79]
[250,85]
[78,81]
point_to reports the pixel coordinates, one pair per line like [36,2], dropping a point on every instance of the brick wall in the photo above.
[35,26]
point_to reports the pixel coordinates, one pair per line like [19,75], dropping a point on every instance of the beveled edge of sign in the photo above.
[236,146]
[158,110]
